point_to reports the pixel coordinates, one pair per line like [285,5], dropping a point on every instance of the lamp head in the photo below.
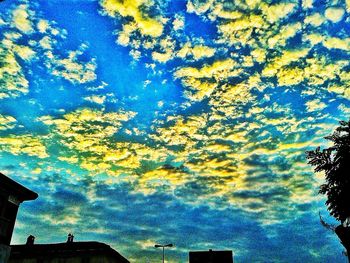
[167,245]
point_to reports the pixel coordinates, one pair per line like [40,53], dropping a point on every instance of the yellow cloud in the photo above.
[132,8]
[73,70]
[162,57]
[12,79]
[217,148]
[216,145]
[97,123]
[314,39]
[72,159]
[183,132]
[219,11]
[7,122]
[197,79]
[178,22]
[239,136]
[89,133]
[164,176]
[124,34]
[315,19]
[315,105]
[46,42]
[277,12]
[318,71]
[198,7]
[284,34]
[233,94]
[340,89]
[98,99]
[24,144]
[347,4]
[246,22]
[307,4]
[285,59]
[337,43]
[345,109]
[345,76]
[24,52]
[259,55]
[21,19]
[334,14]
[36,170]
[43,25]
[231,172]
[219,69]
[290,76]
[198,51]
[199,89]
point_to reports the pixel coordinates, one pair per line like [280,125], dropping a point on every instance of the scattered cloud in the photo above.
[21,19]
[13,82]
[266,86]
[7,122]
[71,69]
[23,144]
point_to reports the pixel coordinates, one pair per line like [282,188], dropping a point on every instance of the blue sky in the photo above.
[185,122]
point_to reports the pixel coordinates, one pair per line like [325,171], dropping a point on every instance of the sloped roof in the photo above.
[64,250]
[11,187]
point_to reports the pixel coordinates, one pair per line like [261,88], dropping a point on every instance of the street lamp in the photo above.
[163,246]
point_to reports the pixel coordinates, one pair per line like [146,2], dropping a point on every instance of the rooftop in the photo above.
[10,187]
[211,256]
[64,250]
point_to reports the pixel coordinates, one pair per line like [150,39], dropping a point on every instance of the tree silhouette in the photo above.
[335,163]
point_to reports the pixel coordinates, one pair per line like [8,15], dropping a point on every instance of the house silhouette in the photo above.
[211,256]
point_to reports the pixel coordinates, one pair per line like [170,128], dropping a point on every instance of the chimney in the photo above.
[30,240]
[70,238]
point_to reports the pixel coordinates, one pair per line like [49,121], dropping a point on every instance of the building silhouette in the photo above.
[211,256]
[11,195]
[69,252]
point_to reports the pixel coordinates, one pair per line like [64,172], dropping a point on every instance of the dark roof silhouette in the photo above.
[64,250]
[211,256]
[13,188]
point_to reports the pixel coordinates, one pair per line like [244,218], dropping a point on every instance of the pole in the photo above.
[159,245]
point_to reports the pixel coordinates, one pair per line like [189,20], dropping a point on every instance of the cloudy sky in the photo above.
[155,121]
